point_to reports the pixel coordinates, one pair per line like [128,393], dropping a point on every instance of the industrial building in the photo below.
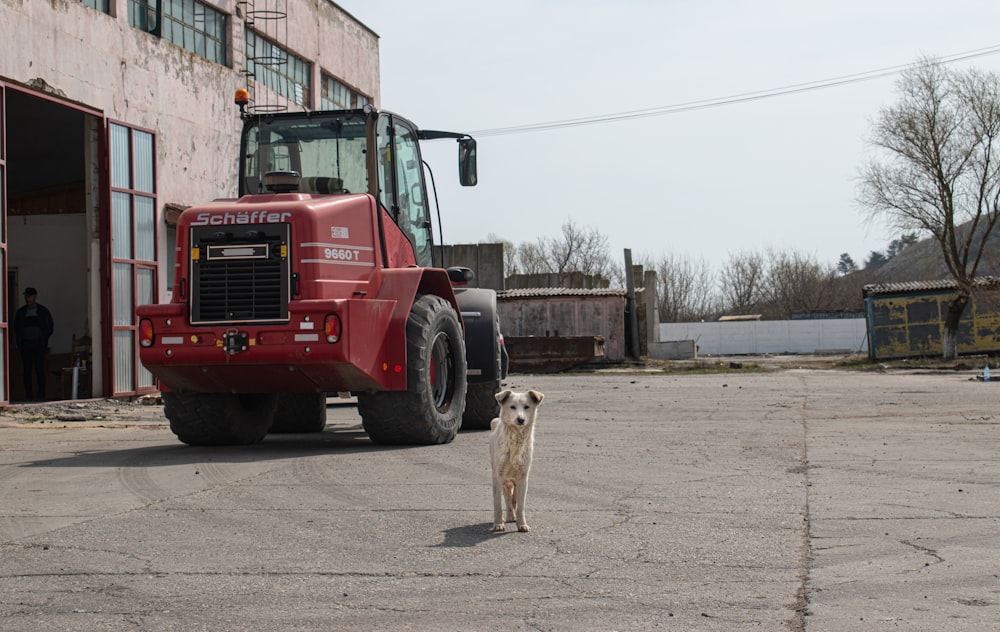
[115,116]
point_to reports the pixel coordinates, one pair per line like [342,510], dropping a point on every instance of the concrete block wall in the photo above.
[568,316]
[486,260]
[771,336]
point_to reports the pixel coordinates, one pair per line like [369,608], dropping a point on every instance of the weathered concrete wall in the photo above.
[770,336]
[674,350]
[568,316]
[340,45]
[486,260]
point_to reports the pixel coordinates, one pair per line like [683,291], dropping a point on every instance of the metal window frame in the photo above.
[139,382]
[170,19]
[266,67]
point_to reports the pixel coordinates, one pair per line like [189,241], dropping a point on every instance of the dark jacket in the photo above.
[33,331]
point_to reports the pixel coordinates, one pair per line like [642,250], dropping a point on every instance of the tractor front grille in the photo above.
[239,274]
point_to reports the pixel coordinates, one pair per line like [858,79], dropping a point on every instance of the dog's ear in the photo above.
[535,395]
[502,396]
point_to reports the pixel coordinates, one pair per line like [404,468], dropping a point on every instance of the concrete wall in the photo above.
[673,350]
[771,336]
[568,316]
[486,260]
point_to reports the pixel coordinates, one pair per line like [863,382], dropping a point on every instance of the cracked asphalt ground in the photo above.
[798,499]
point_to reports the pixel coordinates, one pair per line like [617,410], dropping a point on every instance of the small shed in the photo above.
[566,312]
[907,319]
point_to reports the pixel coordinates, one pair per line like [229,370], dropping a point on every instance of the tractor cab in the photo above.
[349,151]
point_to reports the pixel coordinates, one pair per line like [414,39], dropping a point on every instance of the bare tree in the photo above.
[796,283]
[938,171]
[531,258]
[578,249]
[685,290]
[509,253]
[741,282]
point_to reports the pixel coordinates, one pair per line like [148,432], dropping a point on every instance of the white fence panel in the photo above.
[775,335]
[771,336]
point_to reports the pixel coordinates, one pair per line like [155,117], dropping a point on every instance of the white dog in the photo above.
[512,440]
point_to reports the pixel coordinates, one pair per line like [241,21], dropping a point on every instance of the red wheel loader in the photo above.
[323,277]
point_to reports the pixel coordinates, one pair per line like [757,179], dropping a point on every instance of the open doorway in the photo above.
[52,187]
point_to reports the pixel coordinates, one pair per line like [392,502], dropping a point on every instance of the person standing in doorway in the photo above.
[32,327]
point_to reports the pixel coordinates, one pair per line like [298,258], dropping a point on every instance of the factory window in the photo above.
[281,71]
[337,96]
[104,6]
[190,24]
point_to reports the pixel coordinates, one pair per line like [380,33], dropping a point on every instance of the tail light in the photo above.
[146,332]
[332,328]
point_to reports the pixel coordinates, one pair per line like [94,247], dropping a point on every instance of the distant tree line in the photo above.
[877,258]
[774,284]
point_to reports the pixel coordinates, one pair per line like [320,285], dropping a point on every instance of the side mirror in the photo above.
[467,175]
[459,275]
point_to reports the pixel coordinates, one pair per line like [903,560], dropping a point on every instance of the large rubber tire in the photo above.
[481,405]
[219,418]
[430,410]
[300,412]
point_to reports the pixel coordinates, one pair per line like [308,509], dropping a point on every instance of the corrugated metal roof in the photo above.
[916,287]
[561,292]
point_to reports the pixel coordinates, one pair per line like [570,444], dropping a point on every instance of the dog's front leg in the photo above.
[520,491]
[511,498]
[497,505]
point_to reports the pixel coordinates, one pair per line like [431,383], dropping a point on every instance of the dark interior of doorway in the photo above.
[47,233]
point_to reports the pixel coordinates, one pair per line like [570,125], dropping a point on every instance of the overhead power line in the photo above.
[745,97]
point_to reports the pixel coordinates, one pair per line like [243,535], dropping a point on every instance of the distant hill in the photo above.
[923,261]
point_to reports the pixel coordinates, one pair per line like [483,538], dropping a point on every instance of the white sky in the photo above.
[778,172]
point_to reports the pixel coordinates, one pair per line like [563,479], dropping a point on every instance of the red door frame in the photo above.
[108,260]
[103,203]
[4,340]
